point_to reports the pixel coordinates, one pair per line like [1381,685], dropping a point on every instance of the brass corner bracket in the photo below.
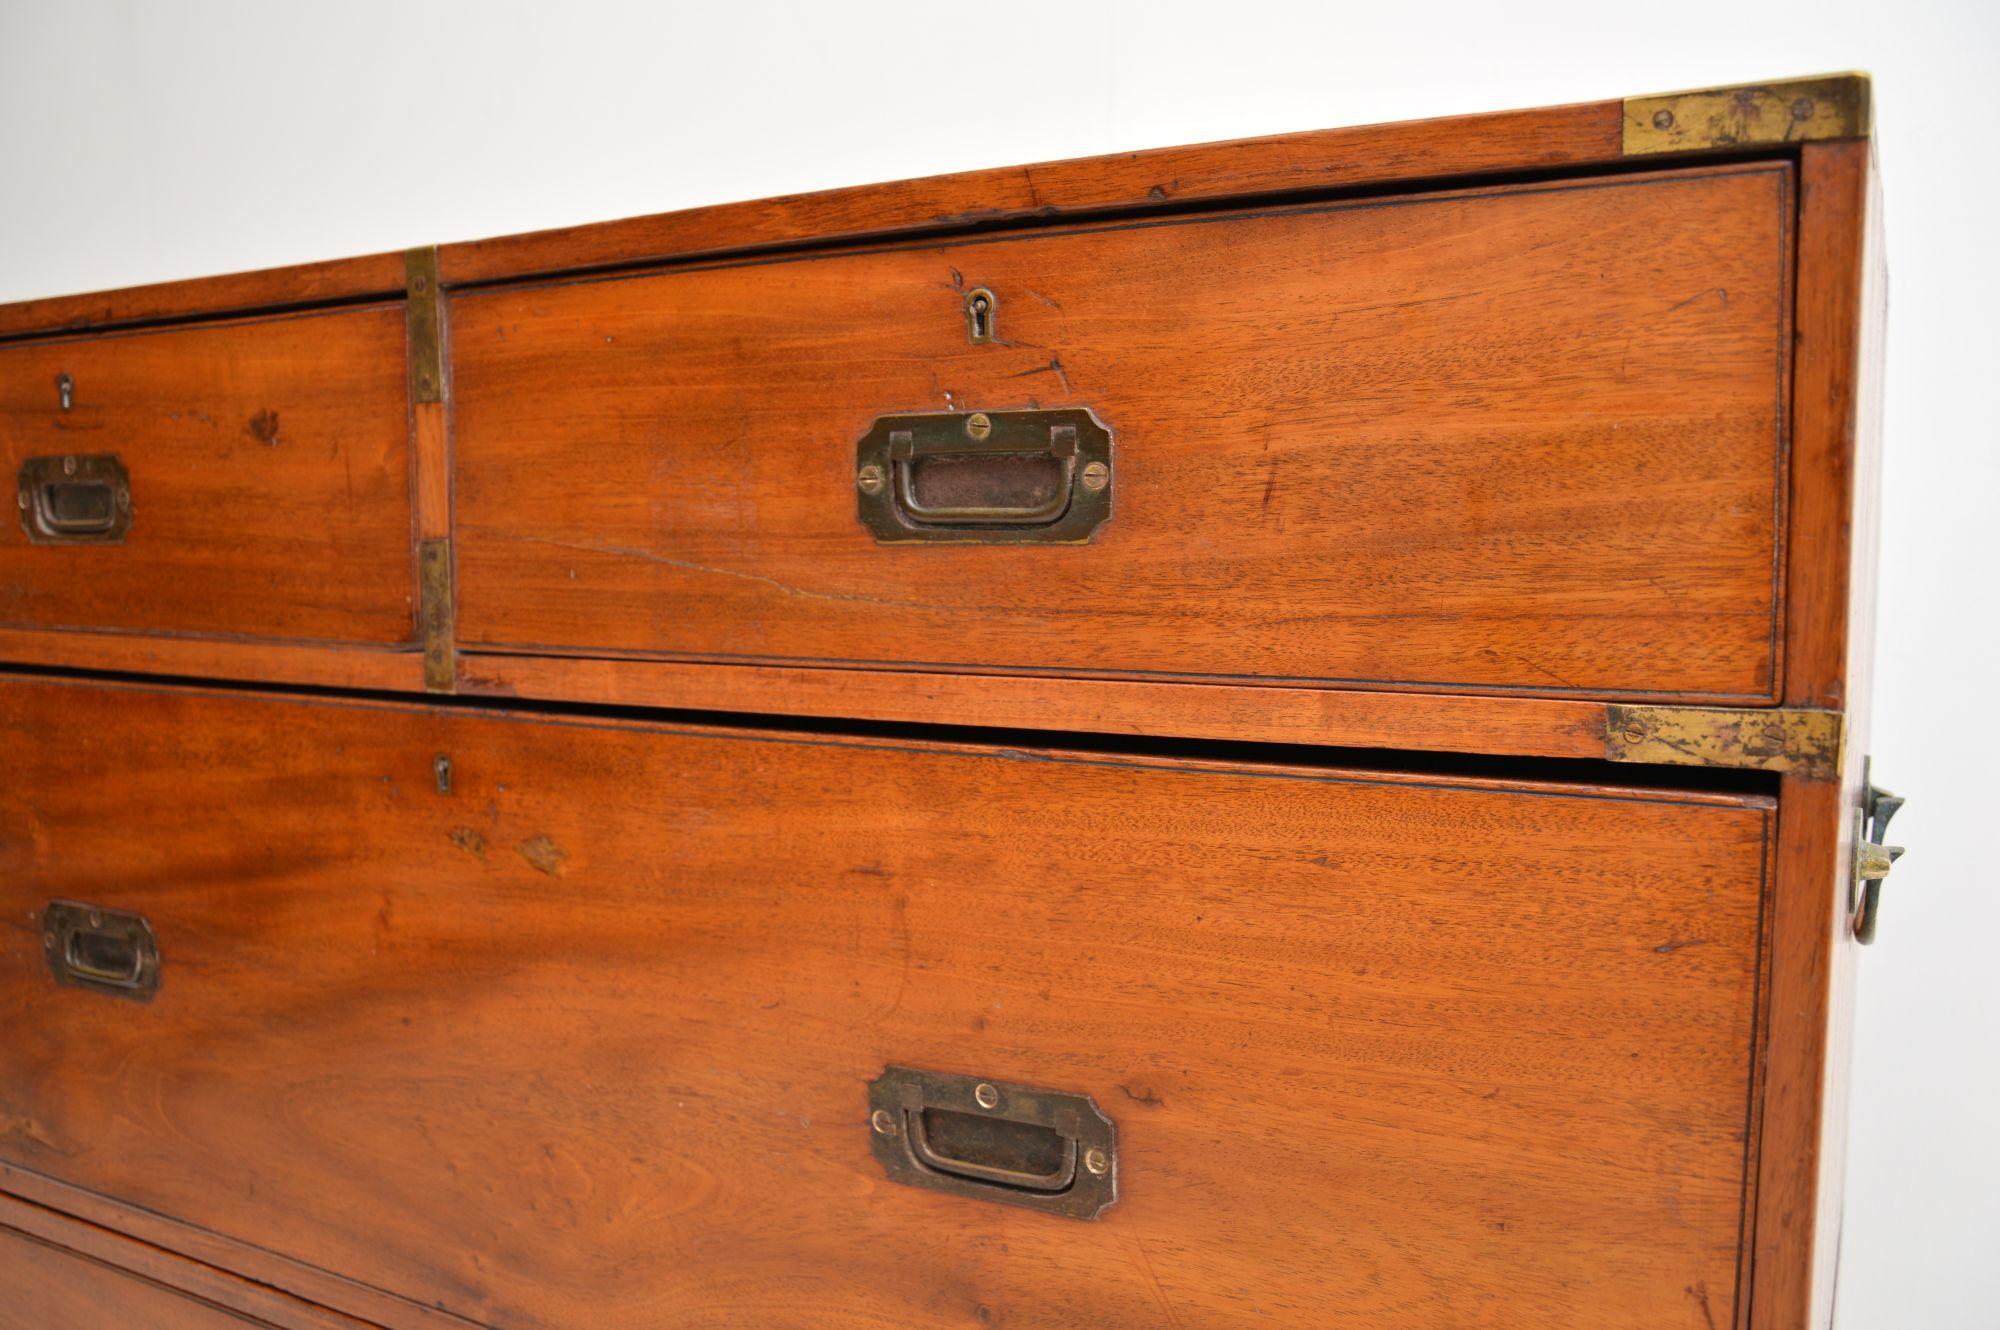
[1751,115]
[1795,741]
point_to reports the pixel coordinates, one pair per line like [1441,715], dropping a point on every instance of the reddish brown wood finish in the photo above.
[47,1288]
[583,1041]
[1829,658]
[1346,718]
[278,663]
[269,465]
[58,1272]
[376,276]
[1369,155]
[1517,440]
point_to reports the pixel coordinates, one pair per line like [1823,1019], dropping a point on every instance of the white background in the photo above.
[140,142]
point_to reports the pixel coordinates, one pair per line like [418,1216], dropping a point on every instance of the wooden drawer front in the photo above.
[269,479]
[585,1041]
[1517,439]
[43,1287]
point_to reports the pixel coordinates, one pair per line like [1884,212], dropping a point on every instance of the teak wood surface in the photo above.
[1524,439]
[584,1040]
[269,463]
[1158,180]
[250,592]
[45,1287]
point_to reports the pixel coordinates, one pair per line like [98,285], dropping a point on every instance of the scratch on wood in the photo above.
[1673,945]
[1699,1292]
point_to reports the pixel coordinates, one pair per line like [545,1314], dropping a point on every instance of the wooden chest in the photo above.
[1260,735]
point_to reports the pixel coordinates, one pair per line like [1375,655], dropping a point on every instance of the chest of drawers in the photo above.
[1269,734]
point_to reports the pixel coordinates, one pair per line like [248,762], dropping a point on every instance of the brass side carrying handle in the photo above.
[108,951]
[1872,858]
[992,1140]
[74,500]
[988,477]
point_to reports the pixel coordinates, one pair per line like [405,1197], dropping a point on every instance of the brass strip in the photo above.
[437,616]
[425,321]
[1795,741]
[1753,115]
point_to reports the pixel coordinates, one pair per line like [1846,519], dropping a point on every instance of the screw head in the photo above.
[1096,1161]
[1096,475]
[986,1096]
[869,479]
[1802,109]
[883,1121]
[978,424]
[1663,119]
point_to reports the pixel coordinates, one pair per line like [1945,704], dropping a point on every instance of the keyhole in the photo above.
[979,306]
[65,390]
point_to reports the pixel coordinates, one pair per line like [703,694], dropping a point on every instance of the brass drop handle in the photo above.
[74,500]
[992,1140]
[109,951]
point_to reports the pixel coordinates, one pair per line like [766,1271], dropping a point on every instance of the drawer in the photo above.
[48,1288]
[1522,439]
[582,1031]
[266,465]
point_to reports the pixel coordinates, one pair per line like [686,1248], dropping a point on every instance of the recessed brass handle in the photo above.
[74,500]
[110,951]
[988,477]
[1027,1139]
[994,1140]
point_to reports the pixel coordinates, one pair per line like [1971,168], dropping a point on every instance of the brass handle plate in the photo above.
[994,1140]
[74,500]
[987,477]
[107,951]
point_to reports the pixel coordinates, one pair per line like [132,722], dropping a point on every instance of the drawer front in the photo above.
[47,1288]
[588,1038]
[1523,439]
[267,469]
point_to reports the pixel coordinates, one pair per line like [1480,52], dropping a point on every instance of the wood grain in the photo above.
[374,276]
[1347,718]
[1836,441]
[1514,440]
[269,465]
[1152,180]
[46,1288]
[584,1040]
[1321,160]
[87,1269]
[276,663]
